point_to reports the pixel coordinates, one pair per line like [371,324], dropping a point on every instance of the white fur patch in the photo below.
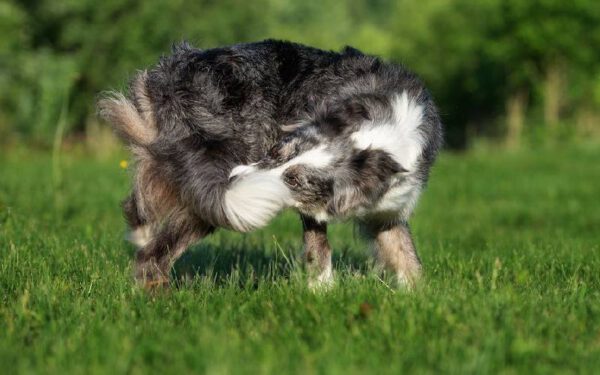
[401,199]
[254,199]
[323,281]
[258,195]
[140,236]
[321,216]
[318,157]
[241,170]
[400,137]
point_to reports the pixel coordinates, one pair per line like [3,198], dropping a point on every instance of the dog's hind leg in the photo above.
[317,253]
[140,229]
[395,251]
[153,262]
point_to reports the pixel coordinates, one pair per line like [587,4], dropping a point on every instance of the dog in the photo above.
[228,137]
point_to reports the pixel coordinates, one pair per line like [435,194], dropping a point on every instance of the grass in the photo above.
[510,244]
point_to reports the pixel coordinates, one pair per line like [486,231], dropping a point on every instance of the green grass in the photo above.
[510,244]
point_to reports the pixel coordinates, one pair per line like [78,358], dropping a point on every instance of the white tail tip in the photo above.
[254,199]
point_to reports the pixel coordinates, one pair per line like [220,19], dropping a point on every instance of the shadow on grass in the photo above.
[247,266]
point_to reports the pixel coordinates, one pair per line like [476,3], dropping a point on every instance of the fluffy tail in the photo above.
[125,119]
[254,198]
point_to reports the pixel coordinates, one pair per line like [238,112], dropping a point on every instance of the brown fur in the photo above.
[155,196]
[395,251]
[154,202]
[154,261]
[317,252]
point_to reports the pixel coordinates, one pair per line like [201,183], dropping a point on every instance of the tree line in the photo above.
[507,69]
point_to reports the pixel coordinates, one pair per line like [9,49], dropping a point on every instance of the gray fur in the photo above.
[211,110]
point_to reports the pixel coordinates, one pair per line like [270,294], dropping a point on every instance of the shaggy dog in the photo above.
[228,137]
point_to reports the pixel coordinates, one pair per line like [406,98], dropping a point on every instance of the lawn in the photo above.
[510,244]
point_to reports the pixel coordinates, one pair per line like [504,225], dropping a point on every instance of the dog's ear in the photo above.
[365,176]
[375,163]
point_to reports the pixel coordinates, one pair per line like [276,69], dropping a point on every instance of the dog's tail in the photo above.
[131,118]
[125,119]
[254,198]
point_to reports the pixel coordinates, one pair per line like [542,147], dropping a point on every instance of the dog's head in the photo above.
[312,189]
[354,179]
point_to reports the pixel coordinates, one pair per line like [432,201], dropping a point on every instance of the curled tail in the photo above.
[252,200]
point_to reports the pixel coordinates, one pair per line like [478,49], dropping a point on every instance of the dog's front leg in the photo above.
[395,251]
[317,253]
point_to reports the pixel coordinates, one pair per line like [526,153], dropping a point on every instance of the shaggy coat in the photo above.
[227,137]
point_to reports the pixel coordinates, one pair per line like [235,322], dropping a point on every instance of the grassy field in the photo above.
[510,244]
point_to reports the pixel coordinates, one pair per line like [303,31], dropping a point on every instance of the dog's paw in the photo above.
[322,282]
[149,275]
[407,282]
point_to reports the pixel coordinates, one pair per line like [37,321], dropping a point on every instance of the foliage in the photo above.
[475,56]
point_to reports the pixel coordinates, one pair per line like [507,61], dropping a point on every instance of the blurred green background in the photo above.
[509,239]
[510,72]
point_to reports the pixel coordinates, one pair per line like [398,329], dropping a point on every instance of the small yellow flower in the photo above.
[123,164]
